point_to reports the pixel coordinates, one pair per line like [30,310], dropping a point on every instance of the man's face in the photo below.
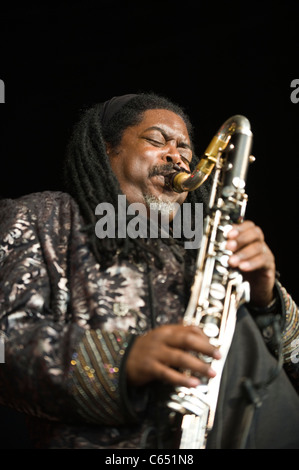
[146,155]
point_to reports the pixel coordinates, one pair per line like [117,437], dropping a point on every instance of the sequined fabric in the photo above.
[68,325]
[54,299]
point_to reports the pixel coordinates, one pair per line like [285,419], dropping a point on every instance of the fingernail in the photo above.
[217,354]
[234,260]
[233,233]
[193,382]
[211,372]
[231,245]
[245,265]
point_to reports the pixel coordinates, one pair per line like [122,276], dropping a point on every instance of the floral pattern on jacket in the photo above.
[53,292]
[67,324]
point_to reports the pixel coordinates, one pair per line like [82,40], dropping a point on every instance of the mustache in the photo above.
[165,170]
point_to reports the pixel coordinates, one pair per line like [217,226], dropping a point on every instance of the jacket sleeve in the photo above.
[279,325]
[290,337]
[53,368]
[98,381]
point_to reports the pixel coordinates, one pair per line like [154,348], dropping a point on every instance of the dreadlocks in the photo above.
[88,175]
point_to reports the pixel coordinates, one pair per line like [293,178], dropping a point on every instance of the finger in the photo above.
[247,233]
[241,235]
[169,367]
[187,361]
[191,338]
[257,262]
[255,249]
[174,377]
[237,229]
[254,257]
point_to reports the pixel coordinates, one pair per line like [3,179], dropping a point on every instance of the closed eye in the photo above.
[158,137]
[185,160]
[156,142]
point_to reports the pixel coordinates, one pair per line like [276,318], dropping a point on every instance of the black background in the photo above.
[216,59]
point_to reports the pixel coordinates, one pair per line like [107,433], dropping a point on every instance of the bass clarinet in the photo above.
[218,290]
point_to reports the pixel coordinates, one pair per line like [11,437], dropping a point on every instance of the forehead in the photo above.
[169,121]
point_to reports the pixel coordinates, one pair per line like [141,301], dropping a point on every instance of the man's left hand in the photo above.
[252,256]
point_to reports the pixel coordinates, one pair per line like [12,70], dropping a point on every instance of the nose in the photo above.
[172,155]
[174,159]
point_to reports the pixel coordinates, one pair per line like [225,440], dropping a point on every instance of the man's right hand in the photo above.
[164,353]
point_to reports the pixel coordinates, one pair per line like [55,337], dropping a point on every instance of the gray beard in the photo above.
[163,208]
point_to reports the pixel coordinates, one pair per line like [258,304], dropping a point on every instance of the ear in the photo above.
[108,148]
[111,152]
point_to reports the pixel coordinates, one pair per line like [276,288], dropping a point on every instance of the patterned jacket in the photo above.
[67,325]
